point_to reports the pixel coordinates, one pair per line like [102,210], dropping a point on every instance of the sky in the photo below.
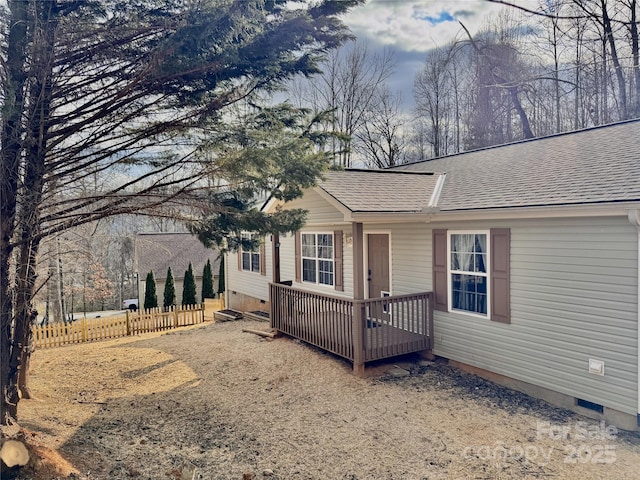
[410,28]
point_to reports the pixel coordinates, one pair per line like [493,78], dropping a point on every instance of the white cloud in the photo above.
[410,28]
[409,24]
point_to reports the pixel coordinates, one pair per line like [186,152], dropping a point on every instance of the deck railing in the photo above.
[317,319]
[396,325]
[359,330]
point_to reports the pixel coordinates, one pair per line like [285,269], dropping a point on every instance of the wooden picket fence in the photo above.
[130,323]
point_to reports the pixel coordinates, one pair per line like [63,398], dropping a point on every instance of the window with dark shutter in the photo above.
[469,272]
[460,272]
[251,260]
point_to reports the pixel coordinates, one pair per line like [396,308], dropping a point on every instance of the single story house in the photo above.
[518,262]
[156,252]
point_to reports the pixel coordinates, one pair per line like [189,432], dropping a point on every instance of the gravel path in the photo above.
[212,402]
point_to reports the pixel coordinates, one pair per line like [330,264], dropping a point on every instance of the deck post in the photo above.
[275,257]
[431,298]
[358,338]
[358,296]
[274,300]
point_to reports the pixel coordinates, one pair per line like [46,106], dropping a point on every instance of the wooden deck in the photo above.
[358,330]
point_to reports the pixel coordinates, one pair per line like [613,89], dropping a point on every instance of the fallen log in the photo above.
[262,333]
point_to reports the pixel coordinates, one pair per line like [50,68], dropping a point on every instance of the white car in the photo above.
[130,304]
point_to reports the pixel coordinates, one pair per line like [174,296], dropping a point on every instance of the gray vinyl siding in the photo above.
[574,296]
[320,212]
[410,258]
[322,217]
[248,283]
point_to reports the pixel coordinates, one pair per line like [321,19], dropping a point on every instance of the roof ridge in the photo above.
[401,172]
[522,141]
[165,233]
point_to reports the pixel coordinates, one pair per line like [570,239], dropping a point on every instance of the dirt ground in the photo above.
[212,402]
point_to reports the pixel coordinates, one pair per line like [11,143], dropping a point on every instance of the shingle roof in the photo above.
[158,251]
[380,190]
[597,165]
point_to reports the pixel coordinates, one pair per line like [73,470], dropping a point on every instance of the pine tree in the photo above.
[189,288]
[169,290]
[221,281]
[150,297]
[109,122]
[207,282]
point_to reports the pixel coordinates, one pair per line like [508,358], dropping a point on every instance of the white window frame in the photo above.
[251,253]
[318,259]
[486,274]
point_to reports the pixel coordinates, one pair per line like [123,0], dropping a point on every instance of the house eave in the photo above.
[271,205]
[428,215]
[611,209]
[389,217]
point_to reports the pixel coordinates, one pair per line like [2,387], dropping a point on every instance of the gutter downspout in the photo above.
[634,218]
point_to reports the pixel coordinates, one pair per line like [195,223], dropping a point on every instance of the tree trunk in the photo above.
[635,50]
[624,114]
[526,127]
[11,134]
[24,316]
[25,362]
[60,282]
[578,120]
[556,74]
[30,195]
[456,107]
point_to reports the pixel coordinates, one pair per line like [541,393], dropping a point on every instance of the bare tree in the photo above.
[604,37]
[435,92]
[577,66]
[380,140]
[347,87]
[502,77]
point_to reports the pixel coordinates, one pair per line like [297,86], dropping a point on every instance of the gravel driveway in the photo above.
[213,402]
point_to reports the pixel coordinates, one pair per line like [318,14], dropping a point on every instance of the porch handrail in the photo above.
[315,318]
[309,292]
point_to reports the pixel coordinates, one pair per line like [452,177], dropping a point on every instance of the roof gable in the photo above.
[381,191]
